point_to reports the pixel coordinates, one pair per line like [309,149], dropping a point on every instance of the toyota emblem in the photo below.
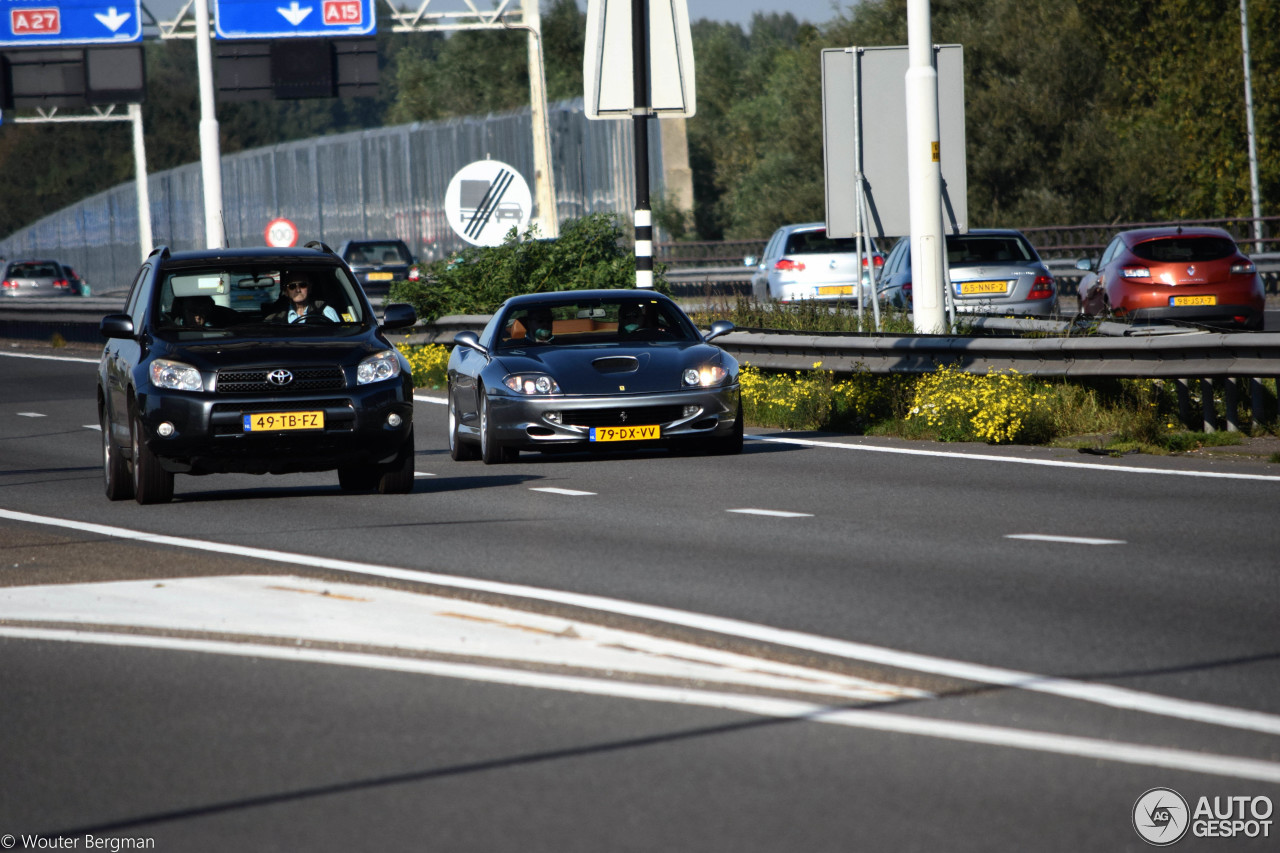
[279,377]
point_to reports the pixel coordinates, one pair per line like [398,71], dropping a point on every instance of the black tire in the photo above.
[398,479]
[459,450]
[731,444]
[357,478]
[115,468]
[490,451]
[151,483]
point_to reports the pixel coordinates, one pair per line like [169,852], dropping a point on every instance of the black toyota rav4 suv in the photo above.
[207,371]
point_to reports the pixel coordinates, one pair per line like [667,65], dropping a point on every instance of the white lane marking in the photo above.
[1069,745]
[775,513]
[987,457]
[437,400]
[98,427]
[422,474]
[573,493]
[283,607]
[1070,540]
[50,357]
[1083,691]
[30,415]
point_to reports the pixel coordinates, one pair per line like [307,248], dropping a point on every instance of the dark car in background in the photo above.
[1187,274]
[204,373]
[591,370]
[992,271]
[41,277]
[377,263]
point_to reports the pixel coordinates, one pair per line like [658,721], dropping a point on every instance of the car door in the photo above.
[119,358]
[1092,292]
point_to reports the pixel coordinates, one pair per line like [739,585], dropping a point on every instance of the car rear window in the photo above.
[376,253]
[987,249]
[33,271]
[1173,250]
[817,242]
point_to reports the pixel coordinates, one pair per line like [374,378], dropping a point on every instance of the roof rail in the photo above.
[320,247]
[162,251]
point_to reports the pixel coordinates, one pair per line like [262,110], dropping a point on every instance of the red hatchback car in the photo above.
[1189,274]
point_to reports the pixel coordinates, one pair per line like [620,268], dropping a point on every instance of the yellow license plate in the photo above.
[380,276]
[836,290]
[277,421]
[974,287]
[626,433]
[1194,300]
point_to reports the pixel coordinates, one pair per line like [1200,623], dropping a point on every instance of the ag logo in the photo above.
[1161,816]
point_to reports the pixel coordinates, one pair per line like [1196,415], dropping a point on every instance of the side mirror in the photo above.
[398,315]
[718,328]
[116,326]
[471,341]
[1084,265]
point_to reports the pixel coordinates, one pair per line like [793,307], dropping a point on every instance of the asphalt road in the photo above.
[1053,636]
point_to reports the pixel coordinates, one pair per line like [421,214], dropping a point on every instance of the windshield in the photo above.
[389,252]
[219,301]
[988,249]
[1186,249]
[625,320]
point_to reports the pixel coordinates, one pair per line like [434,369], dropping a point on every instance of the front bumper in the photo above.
[536,423]
[207,433]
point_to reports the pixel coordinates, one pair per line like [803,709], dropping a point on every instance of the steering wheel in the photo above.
[313,314]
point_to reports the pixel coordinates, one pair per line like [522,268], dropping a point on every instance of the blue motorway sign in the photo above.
[60,23]
[264,19]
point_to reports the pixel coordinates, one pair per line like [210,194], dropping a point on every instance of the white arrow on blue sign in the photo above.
[260,19]
[34,23]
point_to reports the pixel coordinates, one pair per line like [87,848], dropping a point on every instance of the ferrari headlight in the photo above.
[378,367]
[531,384]
[175,376]
[705,376]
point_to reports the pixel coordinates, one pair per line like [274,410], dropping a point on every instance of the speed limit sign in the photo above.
[281,233]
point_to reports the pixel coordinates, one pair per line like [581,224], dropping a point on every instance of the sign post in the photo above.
[651,40]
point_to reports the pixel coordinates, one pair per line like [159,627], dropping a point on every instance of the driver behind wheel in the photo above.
[296,287]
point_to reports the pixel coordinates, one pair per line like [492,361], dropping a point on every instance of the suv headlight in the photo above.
[531,383]
[705,376]
[375,368]
[175,376]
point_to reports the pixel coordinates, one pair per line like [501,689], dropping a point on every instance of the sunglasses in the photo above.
[297,285]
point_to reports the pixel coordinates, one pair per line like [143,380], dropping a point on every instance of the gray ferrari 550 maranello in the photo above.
[591,369]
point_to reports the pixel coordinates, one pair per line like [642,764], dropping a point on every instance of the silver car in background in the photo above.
[35,278]
[802,262]
[992,271]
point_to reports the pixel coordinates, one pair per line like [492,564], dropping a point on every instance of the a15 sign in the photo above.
[36,23]
[258,19]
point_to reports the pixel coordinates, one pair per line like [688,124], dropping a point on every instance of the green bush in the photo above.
[591,252]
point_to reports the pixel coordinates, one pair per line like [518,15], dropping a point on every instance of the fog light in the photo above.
[165,429]
[690,411]
[393,420]
[553,417]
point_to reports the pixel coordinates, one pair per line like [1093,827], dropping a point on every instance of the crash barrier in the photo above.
[1223,364]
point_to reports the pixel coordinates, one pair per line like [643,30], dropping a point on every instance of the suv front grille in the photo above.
[623,416]
[305,380]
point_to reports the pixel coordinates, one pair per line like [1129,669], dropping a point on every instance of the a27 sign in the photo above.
[70,22]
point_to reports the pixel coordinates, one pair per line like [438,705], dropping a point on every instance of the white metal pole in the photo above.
[924,173]
[210,150]
[1253,137]
[140,169]
[544,187]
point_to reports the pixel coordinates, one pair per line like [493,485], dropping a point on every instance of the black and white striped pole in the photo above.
[640,120]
